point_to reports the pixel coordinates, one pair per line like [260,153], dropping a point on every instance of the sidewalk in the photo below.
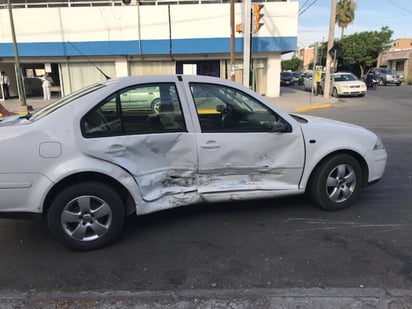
[296,100]
[290,100]
[34,103]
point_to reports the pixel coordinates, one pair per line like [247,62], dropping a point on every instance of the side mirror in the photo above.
[220,108]
[281,127]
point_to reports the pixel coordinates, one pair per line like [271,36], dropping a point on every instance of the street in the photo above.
[271,244]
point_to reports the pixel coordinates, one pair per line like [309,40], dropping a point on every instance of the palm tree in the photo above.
[345,13]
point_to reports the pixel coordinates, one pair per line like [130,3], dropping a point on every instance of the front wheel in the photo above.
[336,182]
[335,93]
[86,216]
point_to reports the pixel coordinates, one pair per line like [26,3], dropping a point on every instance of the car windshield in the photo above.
[388,71]
[344,77]
[63,101]
[286,74]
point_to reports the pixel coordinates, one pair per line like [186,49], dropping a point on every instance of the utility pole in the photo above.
[331,39]
[232,40]
[19,75]
[247,29]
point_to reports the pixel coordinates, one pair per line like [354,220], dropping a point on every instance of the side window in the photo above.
[143,109]
[225,109]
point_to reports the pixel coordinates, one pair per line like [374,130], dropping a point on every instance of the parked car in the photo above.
[143,98]
[387,76]
[84,162]
[345,84]
[287,79]
[297,78]
[308,81]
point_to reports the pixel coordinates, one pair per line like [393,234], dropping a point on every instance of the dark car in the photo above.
[287,79]
[387,76]
[298,77]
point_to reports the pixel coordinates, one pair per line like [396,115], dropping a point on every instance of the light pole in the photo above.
[20,84]
[326,93]
[232,40]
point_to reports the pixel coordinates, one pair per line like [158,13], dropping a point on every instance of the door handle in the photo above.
[113,149]
[210,145]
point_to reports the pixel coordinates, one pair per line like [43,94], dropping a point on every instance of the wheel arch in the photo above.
[123,193]
[356,155]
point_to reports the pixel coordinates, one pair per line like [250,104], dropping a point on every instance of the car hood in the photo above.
[319,121]
[347,135]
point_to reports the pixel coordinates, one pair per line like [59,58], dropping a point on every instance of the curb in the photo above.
[257,298]
[306,108]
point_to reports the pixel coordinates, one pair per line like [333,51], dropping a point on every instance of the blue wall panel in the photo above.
[148,47]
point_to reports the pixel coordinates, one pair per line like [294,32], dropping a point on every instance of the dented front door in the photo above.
[244,146]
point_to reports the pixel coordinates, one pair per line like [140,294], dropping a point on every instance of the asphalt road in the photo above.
[272,244]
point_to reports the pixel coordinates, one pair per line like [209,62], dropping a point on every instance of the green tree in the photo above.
[345,14]
[291,64]
[363,48]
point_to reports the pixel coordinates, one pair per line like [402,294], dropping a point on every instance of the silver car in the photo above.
[88,160]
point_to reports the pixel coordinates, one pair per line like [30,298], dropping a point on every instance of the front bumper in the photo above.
[376,160]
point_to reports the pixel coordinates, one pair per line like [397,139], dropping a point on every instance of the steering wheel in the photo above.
[226,114]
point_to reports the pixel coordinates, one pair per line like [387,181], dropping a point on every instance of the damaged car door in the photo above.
[245,148]
[154,146]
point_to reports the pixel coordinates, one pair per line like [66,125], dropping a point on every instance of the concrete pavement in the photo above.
[290,100]
[315,298]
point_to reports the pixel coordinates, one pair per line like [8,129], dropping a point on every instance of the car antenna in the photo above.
[100,70]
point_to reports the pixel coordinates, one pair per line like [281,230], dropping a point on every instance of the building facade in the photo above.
[398,57]
[77,40]
[307,55]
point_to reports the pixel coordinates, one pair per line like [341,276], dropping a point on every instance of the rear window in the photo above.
[63,101]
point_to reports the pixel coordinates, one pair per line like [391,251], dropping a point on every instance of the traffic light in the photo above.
[257,16]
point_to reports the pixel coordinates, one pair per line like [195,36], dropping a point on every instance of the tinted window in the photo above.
[225,109]
[143,109]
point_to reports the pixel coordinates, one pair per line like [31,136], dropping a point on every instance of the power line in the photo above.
[303,9]
[399,6]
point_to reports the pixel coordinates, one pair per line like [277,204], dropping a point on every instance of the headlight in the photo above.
[378,144]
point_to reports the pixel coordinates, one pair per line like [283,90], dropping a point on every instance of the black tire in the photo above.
[336,182]
[335,93]
[382,82]
[86,216]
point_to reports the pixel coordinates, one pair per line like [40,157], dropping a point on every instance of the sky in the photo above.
[370,15]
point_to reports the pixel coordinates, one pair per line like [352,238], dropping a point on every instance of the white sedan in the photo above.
[345,84]
[85,162]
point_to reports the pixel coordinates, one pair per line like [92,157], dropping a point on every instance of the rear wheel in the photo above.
[86,216]
[336,182]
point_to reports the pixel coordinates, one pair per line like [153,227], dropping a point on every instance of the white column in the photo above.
[273,76]
[122,67]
